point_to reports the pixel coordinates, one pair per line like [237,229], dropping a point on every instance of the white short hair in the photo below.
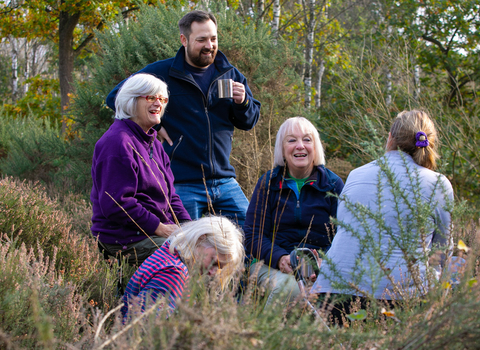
[135,86]
[211,231]
[305,127]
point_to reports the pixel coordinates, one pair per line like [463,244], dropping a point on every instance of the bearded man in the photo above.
[197,128]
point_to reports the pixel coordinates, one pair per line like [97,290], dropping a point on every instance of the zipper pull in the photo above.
[151,152]
[298,204]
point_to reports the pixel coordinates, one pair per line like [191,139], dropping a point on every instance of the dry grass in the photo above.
[60,295]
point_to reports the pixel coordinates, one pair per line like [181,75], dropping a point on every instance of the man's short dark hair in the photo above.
[185,24]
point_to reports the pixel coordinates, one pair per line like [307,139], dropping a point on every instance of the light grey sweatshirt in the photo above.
[374,237]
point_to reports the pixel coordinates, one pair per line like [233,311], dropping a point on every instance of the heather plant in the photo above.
[218,321]
[50,304]
[210,320]
[29,217]
[39,308]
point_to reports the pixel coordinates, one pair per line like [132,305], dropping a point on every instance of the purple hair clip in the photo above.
[422,140]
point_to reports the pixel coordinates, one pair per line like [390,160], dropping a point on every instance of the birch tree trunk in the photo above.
[276,19]
[260,9]
[416,78]
[26,73]
[318,96]
[320,60]
[14,68]
[309,41]
[35,53]
[388,99]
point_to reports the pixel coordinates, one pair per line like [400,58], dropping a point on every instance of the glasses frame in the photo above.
[161,99]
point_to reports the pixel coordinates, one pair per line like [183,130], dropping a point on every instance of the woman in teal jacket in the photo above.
[290,207]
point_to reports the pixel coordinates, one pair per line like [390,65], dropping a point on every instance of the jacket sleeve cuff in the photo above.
[277,254]
[151,225]
[245,104]
[158,126]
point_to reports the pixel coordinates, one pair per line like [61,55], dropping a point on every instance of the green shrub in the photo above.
[31,148]
[358,93]
[41,99]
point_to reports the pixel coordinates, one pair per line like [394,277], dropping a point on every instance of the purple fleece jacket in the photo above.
[132,168]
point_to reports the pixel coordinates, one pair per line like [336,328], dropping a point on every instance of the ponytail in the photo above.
[413,132]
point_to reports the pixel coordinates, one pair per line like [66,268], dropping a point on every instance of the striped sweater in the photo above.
[162,274]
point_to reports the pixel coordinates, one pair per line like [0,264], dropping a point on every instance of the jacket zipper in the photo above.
[205,105]
[178,144]
[210,136]
[210,155]
[298,209]
[151,149]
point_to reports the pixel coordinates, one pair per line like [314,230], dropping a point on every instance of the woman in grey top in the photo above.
[393,217]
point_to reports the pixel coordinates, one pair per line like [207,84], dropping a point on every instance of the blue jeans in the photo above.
[225,197]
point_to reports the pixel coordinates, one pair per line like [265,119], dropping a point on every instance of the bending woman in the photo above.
[135,207]
[392,213]
[212,245]
[290,207]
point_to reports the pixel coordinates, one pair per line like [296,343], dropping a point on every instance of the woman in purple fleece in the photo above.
[135,207]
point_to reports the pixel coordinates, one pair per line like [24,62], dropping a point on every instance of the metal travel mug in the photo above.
[225,88]
[306,268]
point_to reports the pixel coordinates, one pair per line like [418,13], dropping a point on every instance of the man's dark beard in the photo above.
[201,61]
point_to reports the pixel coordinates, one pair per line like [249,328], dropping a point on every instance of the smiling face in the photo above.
[202,44]
[209,260]
[299,153]
[148,114]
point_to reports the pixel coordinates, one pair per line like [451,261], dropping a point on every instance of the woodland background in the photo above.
[348,66]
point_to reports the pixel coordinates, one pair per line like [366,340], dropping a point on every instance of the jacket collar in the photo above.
[321,178]
[221,62]
[399,155]
[138,131]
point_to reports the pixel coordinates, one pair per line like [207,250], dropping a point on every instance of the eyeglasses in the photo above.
[152,98]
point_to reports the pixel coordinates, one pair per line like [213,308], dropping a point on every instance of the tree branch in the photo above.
[127,11]
[100,25]
[435,42]
[87,40]
[9,9]
[451,40]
